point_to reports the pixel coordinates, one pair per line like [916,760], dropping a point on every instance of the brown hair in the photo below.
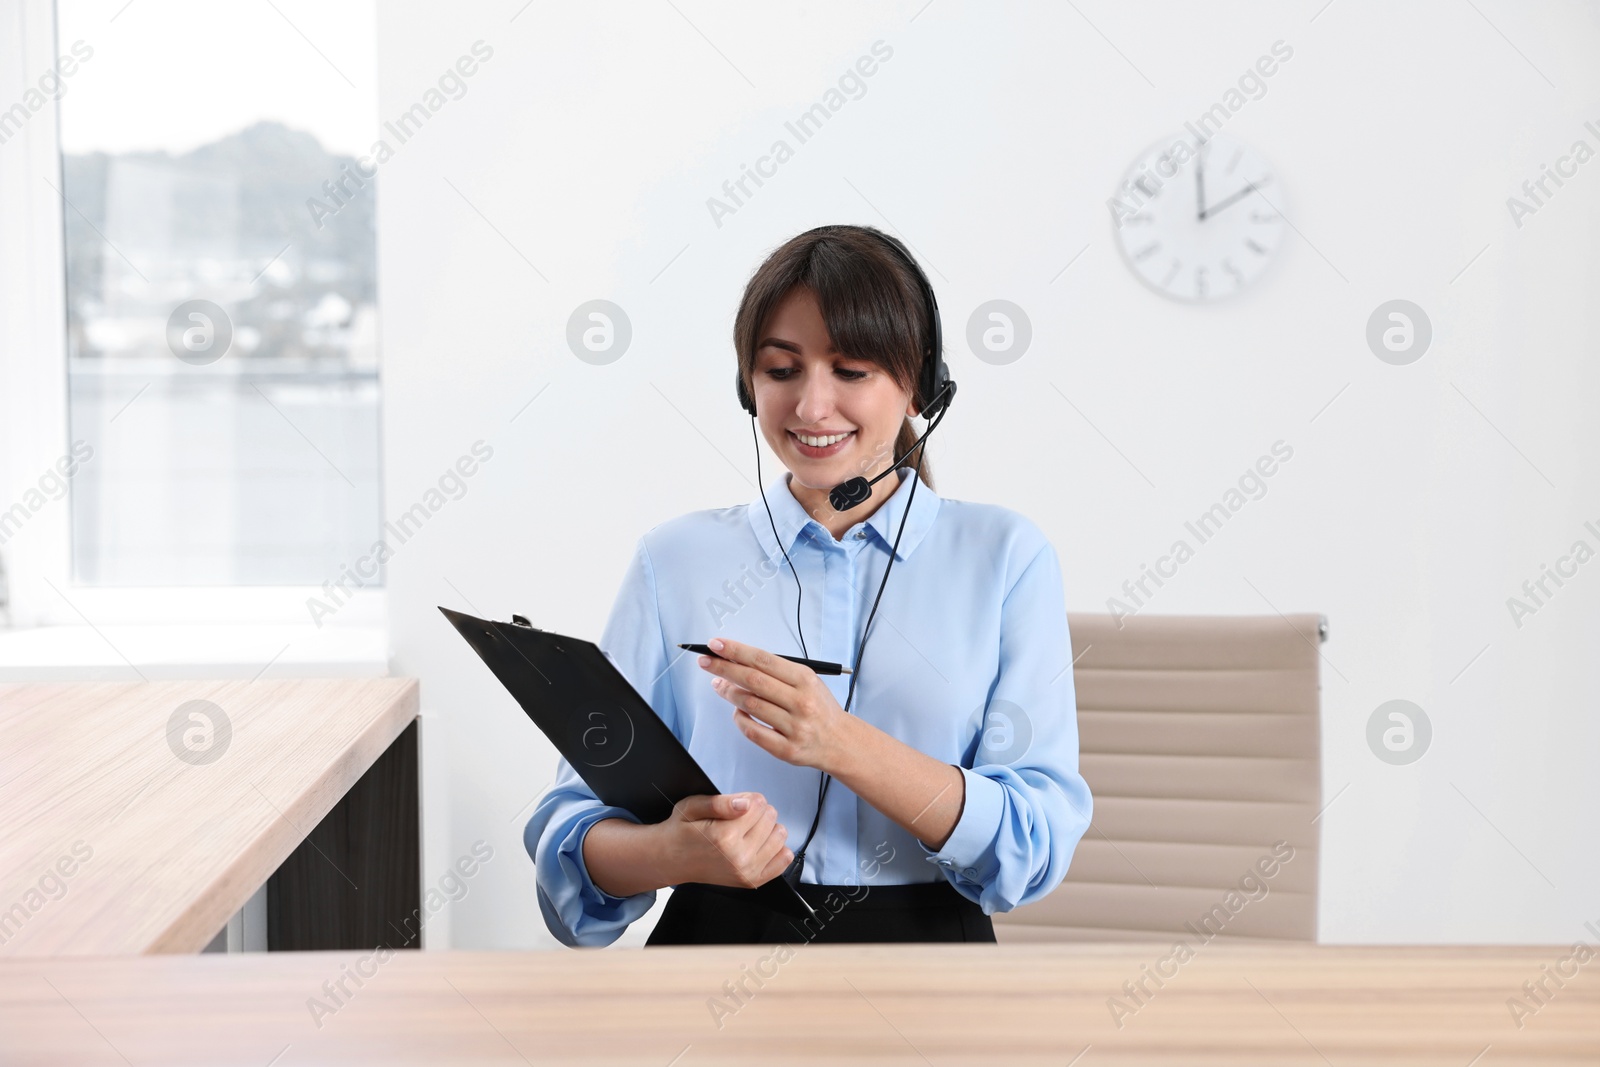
[870,300]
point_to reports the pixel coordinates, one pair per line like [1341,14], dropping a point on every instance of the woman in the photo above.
[954,744]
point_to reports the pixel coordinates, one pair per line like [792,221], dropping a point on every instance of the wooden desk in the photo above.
[126,827]
[1231,1006]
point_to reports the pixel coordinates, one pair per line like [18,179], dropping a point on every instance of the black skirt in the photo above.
[700,914]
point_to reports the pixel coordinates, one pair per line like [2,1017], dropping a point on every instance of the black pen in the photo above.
[820,666]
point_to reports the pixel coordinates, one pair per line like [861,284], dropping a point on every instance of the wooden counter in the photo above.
[130,825]
[1233,1005]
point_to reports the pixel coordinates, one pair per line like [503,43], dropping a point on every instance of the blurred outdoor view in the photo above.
[253,459]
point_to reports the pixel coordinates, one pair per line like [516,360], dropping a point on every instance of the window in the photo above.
[222,355]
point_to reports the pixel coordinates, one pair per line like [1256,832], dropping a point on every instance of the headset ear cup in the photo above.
[745,400]
[934,380]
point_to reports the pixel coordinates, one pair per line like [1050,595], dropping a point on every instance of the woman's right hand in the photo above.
[730,839]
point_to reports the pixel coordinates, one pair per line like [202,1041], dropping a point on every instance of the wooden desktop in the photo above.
[139,816]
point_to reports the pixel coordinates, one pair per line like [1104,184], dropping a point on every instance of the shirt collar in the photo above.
[793,522]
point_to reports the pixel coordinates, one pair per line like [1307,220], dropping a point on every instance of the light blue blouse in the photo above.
[969,661]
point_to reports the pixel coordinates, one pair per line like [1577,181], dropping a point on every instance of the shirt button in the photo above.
[861,535]
[970,872]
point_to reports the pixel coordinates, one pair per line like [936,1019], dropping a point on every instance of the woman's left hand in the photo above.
[804,723]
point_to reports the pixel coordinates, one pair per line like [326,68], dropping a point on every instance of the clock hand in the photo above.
[1240,195]
[1200,182]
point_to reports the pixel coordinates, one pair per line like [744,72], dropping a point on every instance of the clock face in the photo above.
[1198,225]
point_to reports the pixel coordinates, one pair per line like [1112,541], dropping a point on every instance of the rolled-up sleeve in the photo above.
[575,910]
[1026,805]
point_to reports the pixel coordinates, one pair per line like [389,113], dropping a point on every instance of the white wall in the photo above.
[1415,504]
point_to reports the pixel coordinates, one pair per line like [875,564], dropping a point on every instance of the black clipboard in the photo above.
[612,737]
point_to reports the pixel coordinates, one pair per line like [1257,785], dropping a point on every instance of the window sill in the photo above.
[83,653]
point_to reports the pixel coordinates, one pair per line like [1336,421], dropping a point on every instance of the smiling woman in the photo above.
[838,346]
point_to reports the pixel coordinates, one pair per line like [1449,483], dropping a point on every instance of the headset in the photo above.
[936,389]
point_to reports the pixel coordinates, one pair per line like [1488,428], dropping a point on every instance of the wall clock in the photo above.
[1198,224]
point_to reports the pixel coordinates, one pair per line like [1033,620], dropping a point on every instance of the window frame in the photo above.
[34,390]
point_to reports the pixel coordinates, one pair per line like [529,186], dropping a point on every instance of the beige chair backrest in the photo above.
[1200,741]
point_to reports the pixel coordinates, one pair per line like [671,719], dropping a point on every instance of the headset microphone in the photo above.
[847,495]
